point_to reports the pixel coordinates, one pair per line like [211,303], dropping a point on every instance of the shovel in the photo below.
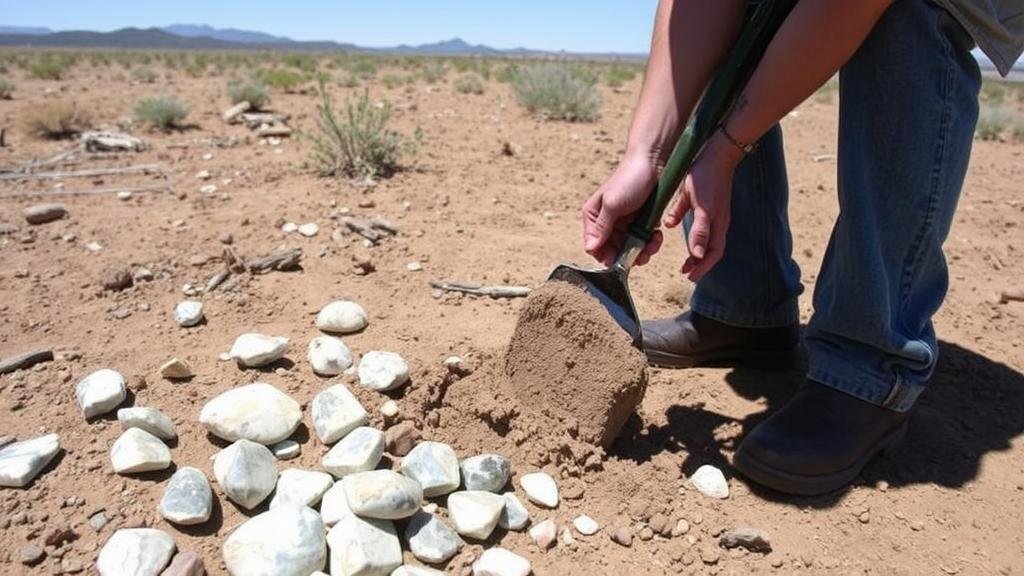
[610,286]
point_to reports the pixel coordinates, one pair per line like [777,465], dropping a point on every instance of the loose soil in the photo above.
[950,502]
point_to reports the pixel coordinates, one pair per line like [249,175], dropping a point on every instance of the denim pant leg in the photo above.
[756,283]
[908,107]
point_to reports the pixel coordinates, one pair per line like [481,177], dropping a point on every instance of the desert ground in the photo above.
[492,196]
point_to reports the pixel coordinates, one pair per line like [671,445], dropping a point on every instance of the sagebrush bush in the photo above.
[55,120]
[362,67]
[50,66]
[1018,131]
[469,84]
[433,72]
[161,112]
[616,76]
[348,81]
[357,143]
[6,89]
[992,122]
[254,92]
[144,75]
[282,79]
[993,91]
[552,91]
[392,80]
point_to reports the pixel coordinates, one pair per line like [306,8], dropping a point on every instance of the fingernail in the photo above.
[698,250]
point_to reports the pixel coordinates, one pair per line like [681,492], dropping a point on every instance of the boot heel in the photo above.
[895,442]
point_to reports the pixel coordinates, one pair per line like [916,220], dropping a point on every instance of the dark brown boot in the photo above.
[690,340]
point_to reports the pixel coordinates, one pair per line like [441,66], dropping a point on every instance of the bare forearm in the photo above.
[690,39]
[817,38]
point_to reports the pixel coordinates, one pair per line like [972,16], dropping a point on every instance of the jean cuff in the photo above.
[781,316]
[886,390]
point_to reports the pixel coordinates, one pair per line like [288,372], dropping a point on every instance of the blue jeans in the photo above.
[907,111]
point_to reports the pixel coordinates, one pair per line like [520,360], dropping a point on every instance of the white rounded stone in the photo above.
[149,419]
[488,472]
[389,409]
[309,229]
[364,547]
[246,471]
[252,350]
[187,499]
[359,451]
[135,552]
[257,412]
[334,505]
[336,412]
[710,481]
[382,494]
[286,449]
[586,525]
[297,486]
[501,562]
[100,392]
[342,316]
[430,539]
[284,541]
[382,371]
[188,313]
[139,451]
[544,534]
[540,489]
[329,356]
[435,466]
[20,462]
[475,513]
[514,515]
[289,227]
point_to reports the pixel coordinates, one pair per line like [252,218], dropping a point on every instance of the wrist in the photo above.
[721,148]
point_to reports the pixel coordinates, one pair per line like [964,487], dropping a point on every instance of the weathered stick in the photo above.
[26,360]
[111,190]
[57,158]
[1016,294]
[217,279]
[383,224]
[480,290]
[144,168]
[361,227]
[281,261]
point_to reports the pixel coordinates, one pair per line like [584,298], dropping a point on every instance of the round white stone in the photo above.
[435,466]
[710,481]
[359,451]
[540,489]
[149,419]
[382,371]
[488,472]
[430,539]
[364,547]
[309,229]
[187,499]
[257,412]
[382,494]
[586,525]
[341,316]
[188,313]
[252,350]
[336,412]
[286,449]
[475,513]
[289,227]
[100,392]
[297,486]
[501,562]
[284,541]
[334,505]
[135,552]
[247,472]
[20,462]
[329,356]
[389,409]
[514,515]
[139,451]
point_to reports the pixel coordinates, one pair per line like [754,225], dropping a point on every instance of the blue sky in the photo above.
[574,25]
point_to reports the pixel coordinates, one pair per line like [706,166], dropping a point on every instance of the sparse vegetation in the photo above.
[144,75]
[553,92]
[55,120]
[992,122]
[469,84]
[348,81]
[358,143]
[254,92]
[50,66]
[6,89]
[433,72]
[616,76]
[1017,133]
[161,112]
[392,80]
[362,67]
[282,79]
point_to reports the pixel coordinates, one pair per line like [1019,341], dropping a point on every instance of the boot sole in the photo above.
[802,485]
[774,359]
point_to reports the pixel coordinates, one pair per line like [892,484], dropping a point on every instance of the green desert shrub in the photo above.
[282,79]
[144,75]
[303,62]
[992,122]
[161,112]
[50,66]
[616,76]
[357,142]
[348,81]
[993,91]
[433,72]
[392,80]
[1017,133]
[469,84]
[6,89]
[362,67]
[507,73]
[55,120]
[254,92]
[553,92]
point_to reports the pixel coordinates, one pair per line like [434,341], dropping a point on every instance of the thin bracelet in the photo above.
[745,148]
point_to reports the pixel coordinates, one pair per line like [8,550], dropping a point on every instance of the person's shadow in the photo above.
[973,405]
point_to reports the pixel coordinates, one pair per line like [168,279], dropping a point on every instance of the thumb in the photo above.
[700,233]
[598,224]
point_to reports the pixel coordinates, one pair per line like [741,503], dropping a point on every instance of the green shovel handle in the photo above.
[758,31]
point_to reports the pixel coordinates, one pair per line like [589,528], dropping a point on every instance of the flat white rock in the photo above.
[247,472]
[544,534]
[334,505]
[514,515]
[336,412]
[540,489]
[416,571]
[360,450]
[329,356]
[253,350]
[382,494]
[20,462]
[382,371]
[100,392]
[149,419]
[488,472]
[430,539]
[364,547]
[284,541]
[435,466]
[475,513]
[342,317]
[135,552]
[139,451]
[309,229]
[501,562]
[586,525]
[286,449]
[710,481]
[188,313]
[187,499]
[297,486]
[257,412]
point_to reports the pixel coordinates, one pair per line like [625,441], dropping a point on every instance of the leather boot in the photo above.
[693,340]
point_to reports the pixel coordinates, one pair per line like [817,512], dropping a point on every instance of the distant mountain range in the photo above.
[203,37]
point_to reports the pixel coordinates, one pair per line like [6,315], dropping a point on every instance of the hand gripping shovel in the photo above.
[611,285]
